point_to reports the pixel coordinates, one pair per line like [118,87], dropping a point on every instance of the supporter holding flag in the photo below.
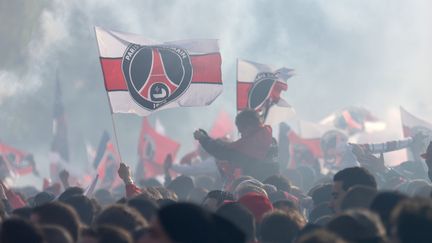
[259,87]
[254,152]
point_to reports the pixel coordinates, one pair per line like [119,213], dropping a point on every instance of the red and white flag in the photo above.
[412,125]
[153,147]
[309,135]
[15,162]
[354,120]
[259,87]
[142,76]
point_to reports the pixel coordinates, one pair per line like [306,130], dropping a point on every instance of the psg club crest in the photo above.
[156,75]
[261,89]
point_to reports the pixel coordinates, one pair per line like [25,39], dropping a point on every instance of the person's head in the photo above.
[181,185]
[280,227]
[42,198]
[106,233]
[347,178]
[226,231]
[281,182]
[71,191]
[384,203]
[285,205]
[121,216]
[15,230]
[147,208]
[358,197]
[247,120]
[57,213]
[103,197]
[358,226]
[249,186]
[258,204]
[240,216]
[214,199]
[411,221]
[321,193]
[182,222]
[83,206]
[23,212]
[319,211]
[151,193]
[56,234]
[320,236]
[239,180]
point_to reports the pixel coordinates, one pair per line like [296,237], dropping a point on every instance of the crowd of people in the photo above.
[245,196]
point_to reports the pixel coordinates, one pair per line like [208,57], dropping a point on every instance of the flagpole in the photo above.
[111,110]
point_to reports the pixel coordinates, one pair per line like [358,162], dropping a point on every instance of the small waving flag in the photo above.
[153,147]
[142,76]
[259,87]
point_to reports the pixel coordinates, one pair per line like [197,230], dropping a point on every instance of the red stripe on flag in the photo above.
[113,74]
[242,95]
[206,69]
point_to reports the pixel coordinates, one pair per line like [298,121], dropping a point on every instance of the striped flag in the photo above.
[412,125]
[142,76]
[259,87]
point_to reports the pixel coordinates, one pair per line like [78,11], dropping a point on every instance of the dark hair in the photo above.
[240,216]
[23,212]
[121,216]
[103,196]
[358,226]
[248,117]
[320,236]
[185,222]
[108,233]
[16,230]
[321,193]
[280,227]
[181,185]
[56,234]
[412,220]
[281,182]
[281,204]
[146,208]
[42,198]
[384,203]
[83,206]
[319,211]
[69,192]
[58,213]
[355,176]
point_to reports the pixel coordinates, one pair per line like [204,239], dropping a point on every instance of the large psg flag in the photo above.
[142,76]
[259,87]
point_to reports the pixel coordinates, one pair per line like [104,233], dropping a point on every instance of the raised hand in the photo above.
[125,173]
